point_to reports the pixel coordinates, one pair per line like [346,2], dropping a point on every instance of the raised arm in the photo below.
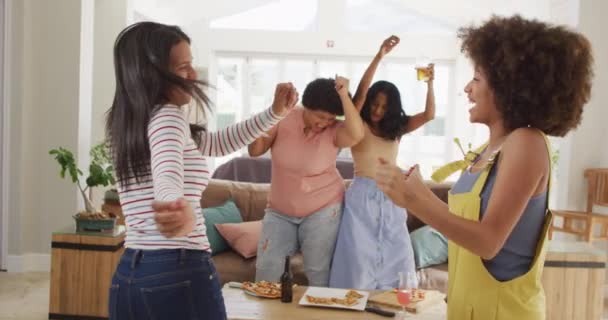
[352,132]
[237,136]
[361,94]
[418,120]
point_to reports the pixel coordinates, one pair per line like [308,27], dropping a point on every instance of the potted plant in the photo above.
[101,173]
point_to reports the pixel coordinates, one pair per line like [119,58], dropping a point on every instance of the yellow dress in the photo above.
[473,293]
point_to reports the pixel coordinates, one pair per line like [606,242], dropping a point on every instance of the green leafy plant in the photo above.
[101,172]
[555,157]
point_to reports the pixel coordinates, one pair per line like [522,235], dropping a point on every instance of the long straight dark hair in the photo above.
[143,79]
[394,123]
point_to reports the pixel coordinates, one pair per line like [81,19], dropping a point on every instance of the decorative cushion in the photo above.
[430,247]
[225,213]
[242,237]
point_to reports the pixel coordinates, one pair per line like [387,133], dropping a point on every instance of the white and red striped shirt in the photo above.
[179,169]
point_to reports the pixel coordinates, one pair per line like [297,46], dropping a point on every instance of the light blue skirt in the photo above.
[373,243]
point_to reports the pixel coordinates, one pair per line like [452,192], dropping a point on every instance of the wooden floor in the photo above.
[25,296]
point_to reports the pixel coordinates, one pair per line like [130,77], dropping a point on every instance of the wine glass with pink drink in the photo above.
[407,282]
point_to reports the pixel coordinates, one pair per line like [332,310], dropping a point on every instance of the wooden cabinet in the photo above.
[82,265]
[573,279]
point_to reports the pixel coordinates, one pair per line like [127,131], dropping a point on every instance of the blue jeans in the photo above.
[314,235]
[166,284]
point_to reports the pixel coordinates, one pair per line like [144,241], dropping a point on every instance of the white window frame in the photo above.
[448,146]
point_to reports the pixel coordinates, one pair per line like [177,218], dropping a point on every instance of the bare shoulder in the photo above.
[526,149]
[527,140]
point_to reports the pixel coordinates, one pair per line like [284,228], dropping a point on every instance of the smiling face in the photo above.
[378,109]
[180,64]
[480,94]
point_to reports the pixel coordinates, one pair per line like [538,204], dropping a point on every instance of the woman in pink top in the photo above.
[305,202]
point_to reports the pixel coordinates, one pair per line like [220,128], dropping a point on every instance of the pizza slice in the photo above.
[354,294]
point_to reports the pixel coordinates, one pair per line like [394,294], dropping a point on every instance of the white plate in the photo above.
[333,293]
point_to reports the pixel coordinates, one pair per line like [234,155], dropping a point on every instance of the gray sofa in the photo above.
[251,197]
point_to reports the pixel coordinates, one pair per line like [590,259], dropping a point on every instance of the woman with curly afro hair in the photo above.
[531,79]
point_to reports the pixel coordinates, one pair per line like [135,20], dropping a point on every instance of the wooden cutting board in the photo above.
[389,299]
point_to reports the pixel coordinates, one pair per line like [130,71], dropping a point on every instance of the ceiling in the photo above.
[376,15]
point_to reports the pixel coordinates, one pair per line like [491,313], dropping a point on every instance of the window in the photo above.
[331,68]
[251,79]
[229,91]
[263,76]
[229,107]
[299,72]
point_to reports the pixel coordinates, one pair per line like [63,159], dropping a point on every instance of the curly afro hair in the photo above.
[540,74]
[321,94]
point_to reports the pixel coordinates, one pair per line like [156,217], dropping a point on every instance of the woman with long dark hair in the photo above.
[166,271]
[373,243]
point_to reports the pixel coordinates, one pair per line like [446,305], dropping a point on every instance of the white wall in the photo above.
[44,115]
[593,24]
[3,136]
[85,90]
[45,99]
[110,19]
[586,146]
[15,102]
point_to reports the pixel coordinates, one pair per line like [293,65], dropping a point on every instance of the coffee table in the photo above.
[241,306]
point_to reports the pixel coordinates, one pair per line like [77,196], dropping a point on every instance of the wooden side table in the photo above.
[82,265]
[573,279]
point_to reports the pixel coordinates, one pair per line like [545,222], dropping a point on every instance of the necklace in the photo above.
[491,159]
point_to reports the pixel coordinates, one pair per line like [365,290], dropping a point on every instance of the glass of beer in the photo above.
[422,68]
